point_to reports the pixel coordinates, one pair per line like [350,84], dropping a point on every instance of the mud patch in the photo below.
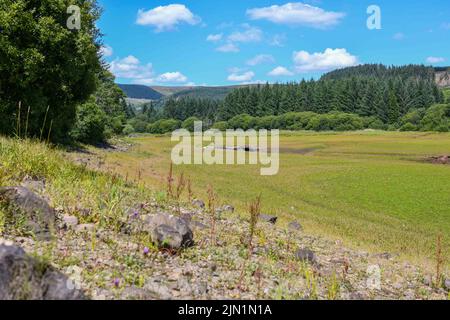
[439,160]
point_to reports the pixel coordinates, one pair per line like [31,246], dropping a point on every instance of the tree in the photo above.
[44,65]
[90,123]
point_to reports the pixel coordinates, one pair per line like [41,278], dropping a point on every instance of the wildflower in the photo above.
[116,282]
[146,251]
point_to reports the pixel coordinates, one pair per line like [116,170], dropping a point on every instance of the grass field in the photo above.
[369,189]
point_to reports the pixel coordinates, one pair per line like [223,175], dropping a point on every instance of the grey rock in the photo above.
[198,225]
[69,222]
[227,208]
[306,255]
[447,284]
[268,218]
[35,185]
[294,226]
[86,227]
[169,231]
[41,217]
[198,203]
[23,277]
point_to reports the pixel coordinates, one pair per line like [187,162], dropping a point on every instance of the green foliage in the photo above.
[221,125]
[90,123]
[128,129]
[164,126]
[45,65]
[188,124]
[436,118]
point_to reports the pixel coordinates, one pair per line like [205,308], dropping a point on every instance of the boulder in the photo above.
[305,255]
[294,226]
[169,231]
[69,222]
[23,277]
[198,203]
[20,200]
[268,218]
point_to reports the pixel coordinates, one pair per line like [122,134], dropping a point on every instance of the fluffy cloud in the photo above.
[243,77]
[214,37]
[165,18]
[297,14]
[278,40]
[172,77]
[228,47]
[250,34]
[435,60]
[280,71]
[260,59]
[106,51]
[131,68]
[328,60]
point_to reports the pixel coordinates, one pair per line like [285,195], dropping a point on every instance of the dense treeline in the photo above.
[387,100]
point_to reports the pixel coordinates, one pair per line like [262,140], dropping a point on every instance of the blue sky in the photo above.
[223,42]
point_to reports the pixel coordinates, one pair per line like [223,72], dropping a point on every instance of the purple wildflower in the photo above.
[146,251]
[116,282]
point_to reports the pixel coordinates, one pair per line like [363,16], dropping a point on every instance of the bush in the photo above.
[164,126]
[188,124]
[436,118]
[90,124]
[221,125]
[128,129]
[408,127]
[242,121]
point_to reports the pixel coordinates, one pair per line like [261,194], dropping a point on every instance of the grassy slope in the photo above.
[370,189]
[67,185]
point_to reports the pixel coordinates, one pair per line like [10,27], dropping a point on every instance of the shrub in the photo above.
[164,126]
[436,118]
[188,124]
[128,129]
[242,121]
[408,127]
[90,124]
[221,125]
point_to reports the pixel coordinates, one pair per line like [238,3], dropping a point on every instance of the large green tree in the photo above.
[45,66]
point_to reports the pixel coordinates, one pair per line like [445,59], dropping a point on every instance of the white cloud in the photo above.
[131,68]
[228,47]
[328,60]
[399,36]
[297,13]
[243,77]
[172,77]
[278,40]
[250,34]
[435,60]
[260,59]
[280,71]
[165,18]
[214,37]
[106,51]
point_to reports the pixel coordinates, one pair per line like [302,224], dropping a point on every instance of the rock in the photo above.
[428,281]
[268,218]
[199,225]
[227,208]
[69,222]
[169,231]
[41,217]
[306,255]
[447,284]
[23,277]
[294,226]
[198,203]
[158,290]
[33,184]
[86,227]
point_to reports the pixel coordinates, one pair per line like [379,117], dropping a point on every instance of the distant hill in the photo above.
[136,91]
[160,92]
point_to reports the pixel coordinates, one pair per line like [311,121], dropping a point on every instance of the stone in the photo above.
[169,231]
[447,284]
[268,218]
[227,208]
[198,225]
[69,222]
[294,226]
[34,185]
[306,255]
[20,200]
[198,203]
[86,227]
[23,277]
